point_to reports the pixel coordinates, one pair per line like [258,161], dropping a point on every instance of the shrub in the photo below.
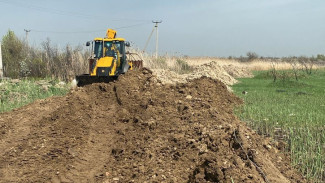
[251,56]
[320,57]
[23,69]
[20,60]
[12,53]
[183,66]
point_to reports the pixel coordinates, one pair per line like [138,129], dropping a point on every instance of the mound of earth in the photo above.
[238,72]
[138,130]
[211,69]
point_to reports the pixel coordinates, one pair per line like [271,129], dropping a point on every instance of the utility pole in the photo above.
[27,31]
[1,68]
[156,26]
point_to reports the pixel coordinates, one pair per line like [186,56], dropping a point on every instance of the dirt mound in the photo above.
[138,130]
[214,71]
[237,71]
[211,69]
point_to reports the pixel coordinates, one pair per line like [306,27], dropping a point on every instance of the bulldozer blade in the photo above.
[137,64]
[135,60]
[86,79]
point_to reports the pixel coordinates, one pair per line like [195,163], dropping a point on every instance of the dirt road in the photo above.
[138,130]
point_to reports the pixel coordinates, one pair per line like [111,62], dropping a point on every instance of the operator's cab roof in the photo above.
[106,39]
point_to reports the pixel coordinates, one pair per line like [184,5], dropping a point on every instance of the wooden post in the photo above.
[1,68]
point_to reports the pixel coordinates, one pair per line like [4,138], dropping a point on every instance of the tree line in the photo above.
[21,60]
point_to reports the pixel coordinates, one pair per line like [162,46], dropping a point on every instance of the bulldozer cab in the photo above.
[108,59]
[108,49]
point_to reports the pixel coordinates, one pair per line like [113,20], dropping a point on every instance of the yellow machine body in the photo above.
[108,59]
[110,33]
[105,62]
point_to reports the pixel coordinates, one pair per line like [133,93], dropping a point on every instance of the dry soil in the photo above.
[138,130]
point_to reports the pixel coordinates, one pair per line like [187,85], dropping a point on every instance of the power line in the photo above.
[85,32]
[44,9]
[66,32]
[64,13]
[146,45]
[124,27]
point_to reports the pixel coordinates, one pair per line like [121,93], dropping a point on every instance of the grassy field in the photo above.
[290,110]
[16,93]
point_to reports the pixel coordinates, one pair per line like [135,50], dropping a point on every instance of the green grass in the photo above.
[15,93]
[290,110]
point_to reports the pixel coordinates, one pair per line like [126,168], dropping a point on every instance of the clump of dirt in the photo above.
[138,130]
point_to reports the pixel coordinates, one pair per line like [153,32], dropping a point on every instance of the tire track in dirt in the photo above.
[92,157]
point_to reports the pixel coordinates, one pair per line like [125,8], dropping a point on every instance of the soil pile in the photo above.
[211,69]
[138,130]
[237,71]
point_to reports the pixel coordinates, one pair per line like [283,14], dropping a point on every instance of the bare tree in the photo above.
[273,70]
[251,56]
[307,64]
[294,65]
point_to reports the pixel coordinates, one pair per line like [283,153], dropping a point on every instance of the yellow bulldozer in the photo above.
[108,59]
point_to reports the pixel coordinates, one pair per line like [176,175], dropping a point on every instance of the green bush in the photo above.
[12,54]
[183,66]
[21,60]
[16,93]
[251,56]
[320,57]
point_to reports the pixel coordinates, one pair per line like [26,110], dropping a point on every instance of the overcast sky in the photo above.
[190,27]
